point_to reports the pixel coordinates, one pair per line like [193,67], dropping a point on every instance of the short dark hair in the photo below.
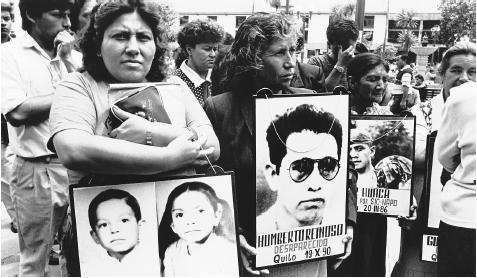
[361,48]
[419,76]
[199,31]
[363,63]
[405,58]
[107,195]
[228,39]
[340,31]
[34,9]
[104,15]
[460,48]
[8,7]
[297,119]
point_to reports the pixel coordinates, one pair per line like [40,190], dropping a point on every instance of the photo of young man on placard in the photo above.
[382,150]
[304,169]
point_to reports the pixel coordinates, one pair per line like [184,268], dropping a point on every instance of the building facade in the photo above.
[314,15]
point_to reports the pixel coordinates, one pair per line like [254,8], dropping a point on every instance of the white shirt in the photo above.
[28,71]
[193,76]
[455,144]
[141,261]
[216,257]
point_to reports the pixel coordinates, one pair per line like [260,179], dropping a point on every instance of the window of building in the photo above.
[369,22]
[238,20]
[428,24]
[183,20]
[212,17]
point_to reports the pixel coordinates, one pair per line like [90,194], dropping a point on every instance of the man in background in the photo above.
[342,35]
[32,64]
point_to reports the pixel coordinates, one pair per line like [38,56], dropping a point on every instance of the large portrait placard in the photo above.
[382,150]
[301,173]
[176,226]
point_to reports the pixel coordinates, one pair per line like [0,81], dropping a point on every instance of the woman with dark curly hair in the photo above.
[123,44]
[199,41]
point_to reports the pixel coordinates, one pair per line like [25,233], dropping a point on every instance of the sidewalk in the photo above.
[10,251]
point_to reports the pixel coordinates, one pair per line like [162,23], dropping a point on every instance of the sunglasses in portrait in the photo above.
[301,169]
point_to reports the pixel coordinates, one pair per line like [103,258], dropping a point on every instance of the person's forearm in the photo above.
[332,80]
[96,154]
[33,110]
[212,141]
[162,134]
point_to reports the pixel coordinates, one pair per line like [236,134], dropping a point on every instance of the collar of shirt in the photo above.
[28,41]
[193,76]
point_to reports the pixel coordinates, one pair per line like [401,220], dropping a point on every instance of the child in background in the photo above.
[115,220]
[196,233]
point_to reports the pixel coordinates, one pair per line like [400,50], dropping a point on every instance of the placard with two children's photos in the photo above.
[181,226]
[301,173]
[431,202]
[382,150]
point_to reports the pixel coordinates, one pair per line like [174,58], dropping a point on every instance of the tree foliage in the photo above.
[458,20]
[275,4]
[389,54]
[167,17]
[343,11]
[406,37]
[393,140]
[405,20]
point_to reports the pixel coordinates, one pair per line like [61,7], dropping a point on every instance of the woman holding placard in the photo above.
[262,58]
[123,44]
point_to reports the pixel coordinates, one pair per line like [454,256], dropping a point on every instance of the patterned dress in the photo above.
[201,92]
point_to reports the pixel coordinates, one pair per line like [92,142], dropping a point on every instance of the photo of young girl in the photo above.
[197,233]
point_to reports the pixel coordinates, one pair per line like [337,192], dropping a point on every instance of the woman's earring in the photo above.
[99,54]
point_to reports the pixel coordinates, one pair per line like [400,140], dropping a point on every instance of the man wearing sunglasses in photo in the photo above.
[302,179]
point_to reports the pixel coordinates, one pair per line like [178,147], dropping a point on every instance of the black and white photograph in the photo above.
[212,138]
[116,227]
[197,226]
[301,150]
[382,150]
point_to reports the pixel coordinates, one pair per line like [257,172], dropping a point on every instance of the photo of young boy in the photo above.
[197,232]
[116,224]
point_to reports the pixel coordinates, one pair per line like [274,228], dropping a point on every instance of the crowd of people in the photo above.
[57,98]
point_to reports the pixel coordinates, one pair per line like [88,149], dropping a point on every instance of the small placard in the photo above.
[383,201]
[382,150]
[429,248]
